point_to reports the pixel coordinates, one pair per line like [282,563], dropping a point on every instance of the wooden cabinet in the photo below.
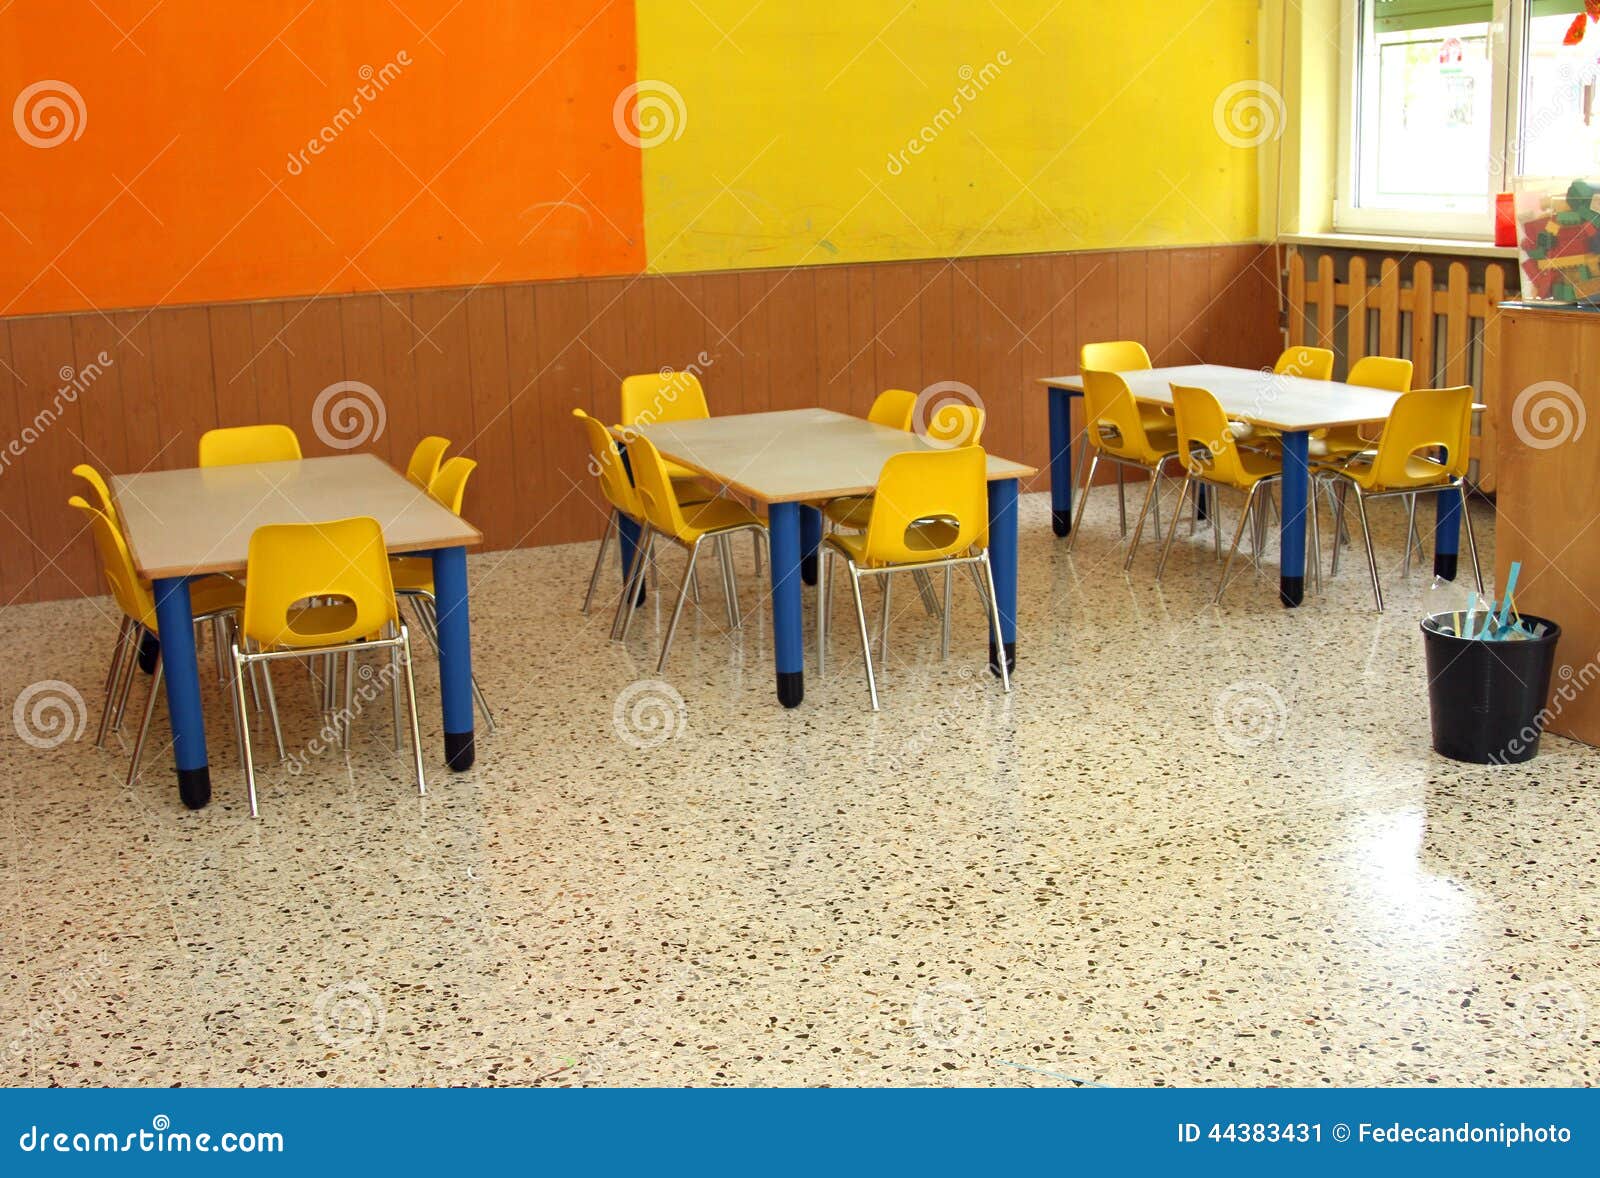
[1547,426]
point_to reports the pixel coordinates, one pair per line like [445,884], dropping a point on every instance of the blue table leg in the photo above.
[1446,535]
[176,623]
[1003,558]
[455,655]
[1296,498]
[810,541]
[1060,461]
[783,525]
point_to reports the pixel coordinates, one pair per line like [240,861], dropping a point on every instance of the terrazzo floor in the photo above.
[1196,846]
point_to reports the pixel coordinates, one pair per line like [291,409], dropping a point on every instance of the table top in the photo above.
[199,520]
[1261,398]
[795,455]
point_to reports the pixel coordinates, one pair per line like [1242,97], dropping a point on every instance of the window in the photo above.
[1444,102]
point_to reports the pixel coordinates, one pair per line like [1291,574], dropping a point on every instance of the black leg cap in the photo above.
[1202,504]
[460,750]
[808,569]
[791,688]
[1291,590]
[1011,659]
[1444,565]
[1061,522]
[149,651]
[194,786]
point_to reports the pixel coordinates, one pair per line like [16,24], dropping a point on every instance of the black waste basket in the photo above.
[1487,698]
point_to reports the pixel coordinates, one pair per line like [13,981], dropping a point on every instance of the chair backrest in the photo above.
[343,560]
[425,460]
[605,463]
[654,486]
[1302,361]
[102,492]
[893,408]
[1123,355]
[1381,372]
[1205,443]
[248,443]
[1111,416]
[132,593]
[1420,421]
[663,396]
[449,486]
[942,492]
[953,425]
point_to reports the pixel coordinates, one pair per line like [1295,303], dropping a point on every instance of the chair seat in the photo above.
[852,511]
[677,472]
[309,626]
[412,574]
[1163,441]
[1257,465]
[934,540]
[1420,472]
[715,515]
[215,595]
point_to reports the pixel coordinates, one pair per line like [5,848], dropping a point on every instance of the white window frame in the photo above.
[1507,27]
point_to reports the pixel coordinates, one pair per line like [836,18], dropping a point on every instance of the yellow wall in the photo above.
[1092,127]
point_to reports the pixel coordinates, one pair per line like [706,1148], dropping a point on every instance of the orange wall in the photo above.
[504,112]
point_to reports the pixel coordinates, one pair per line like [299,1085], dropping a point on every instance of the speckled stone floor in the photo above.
[1196,846]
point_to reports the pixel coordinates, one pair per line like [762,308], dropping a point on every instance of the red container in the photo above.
[1505,219]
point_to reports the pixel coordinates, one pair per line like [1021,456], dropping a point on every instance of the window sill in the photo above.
[1404,244]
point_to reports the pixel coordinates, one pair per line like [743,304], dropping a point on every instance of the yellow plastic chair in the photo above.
[1213,456]
[1305,362]
[952,425]
[1382,372]
[1421,424]
[413,575]
[1119,356]
[212,599]
[248,443]
[664,396]
[686,525]
[893,408]
[931,512]
[1120,433]
[343,565]
[425,459]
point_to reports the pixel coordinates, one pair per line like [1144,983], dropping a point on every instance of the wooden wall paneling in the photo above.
[180,367]
[1191,304]
[897,315]
[396,373]
[862,380]
[271,364]
[1064,339]
[1000,345]
[1158,305]
[1037,354]
[640,352]
[233,377]
[1133,284]
[724,378]
[314,359]
[831,292]
[491,497]
[104,410]
[19,565]
[535,436]
[1096,298]
[936,311]
[792,340]
[361,336]
[441,354]
[569,505]
[754,340]
[966,335]
[604,342]
[680,325]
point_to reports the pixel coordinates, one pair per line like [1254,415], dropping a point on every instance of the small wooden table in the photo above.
[793,459]
[1291,405]
[182,524]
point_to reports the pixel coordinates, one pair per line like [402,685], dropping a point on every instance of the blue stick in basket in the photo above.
[1504,620]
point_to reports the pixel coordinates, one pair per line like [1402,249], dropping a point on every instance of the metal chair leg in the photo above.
[994,618]
[125,688]
[824,568]
[1338,524]
[120,654]
[240,673]
[1412,539]
[944,638]
[612,525]
[411,704]
[924,583]
[394,688]
[1316,538]
[643,555]
[1172,531]
[1372,557]
[866,641]
[730,580]
[1244,518]
[272,710]
[144,724]
[1138,529]
[883,627]
[1472,540]
[1083,500]
[1122,500]
[677,610]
